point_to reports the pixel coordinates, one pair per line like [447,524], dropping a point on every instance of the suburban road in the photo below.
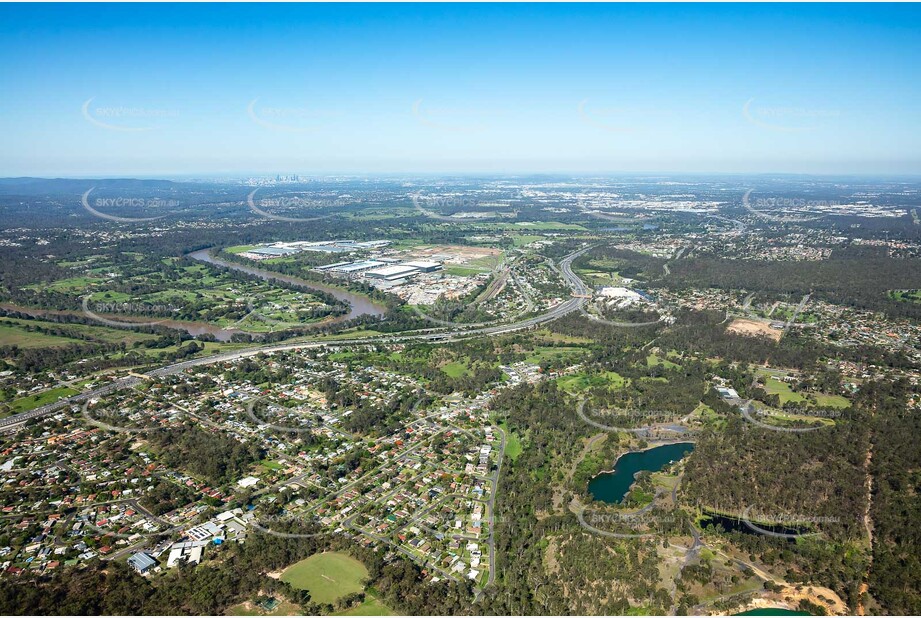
[491,542]
[567,306]
[579,289]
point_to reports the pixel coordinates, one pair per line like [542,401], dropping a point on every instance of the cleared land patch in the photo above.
[753,328]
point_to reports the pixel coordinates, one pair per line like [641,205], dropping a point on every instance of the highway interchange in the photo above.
[580,294]
[579,289]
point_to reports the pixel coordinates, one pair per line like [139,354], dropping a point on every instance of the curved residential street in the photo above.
[567,306]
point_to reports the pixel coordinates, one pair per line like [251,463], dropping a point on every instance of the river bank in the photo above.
[358,305]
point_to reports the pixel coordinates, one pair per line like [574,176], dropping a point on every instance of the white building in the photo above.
[620,297]
[390,273]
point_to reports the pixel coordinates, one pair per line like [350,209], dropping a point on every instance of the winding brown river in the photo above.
[358,305]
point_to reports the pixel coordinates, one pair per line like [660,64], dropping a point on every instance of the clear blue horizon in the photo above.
[188,89]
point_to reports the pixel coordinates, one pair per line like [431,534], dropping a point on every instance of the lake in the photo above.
[612,487]
[735,524]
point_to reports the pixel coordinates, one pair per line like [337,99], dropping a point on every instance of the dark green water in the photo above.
[731,524]
[769,611]
[612,487]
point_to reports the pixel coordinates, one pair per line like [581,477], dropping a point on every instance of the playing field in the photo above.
[327,576]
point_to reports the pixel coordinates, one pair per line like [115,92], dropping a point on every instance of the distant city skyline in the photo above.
[234,90]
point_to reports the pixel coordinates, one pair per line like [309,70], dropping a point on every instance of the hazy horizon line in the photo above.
[455,174]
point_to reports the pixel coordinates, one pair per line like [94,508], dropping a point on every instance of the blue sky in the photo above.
[238,89]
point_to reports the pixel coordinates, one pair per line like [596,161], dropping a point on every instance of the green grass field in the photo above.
[831,401]
[24,404]
[652,360]
[521,240]
[73,284]
[708,416]
[601,272]
[542,353]
[240,248]
[773,386]
[455,369]
[12,334]
[513,445]
[784,419]
[581,381]
[15,331]
[351,333]
[327,576]
[463,271]
[597,277]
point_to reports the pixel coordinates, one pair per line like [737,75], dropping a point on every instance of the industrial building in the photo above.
[424,266]
[391,273]
[333,265]
[280,249]
[351,268]
[273,251]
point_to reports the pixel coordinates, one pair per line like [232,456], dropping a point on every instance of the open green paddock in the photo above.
[327,576]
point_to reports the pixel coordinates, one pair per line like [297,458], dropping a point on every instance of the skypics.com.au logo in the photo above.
[125,119]
[784,525]
[468,209]
[626,525]
[288,119]
[752,414]
[293,203]
[761,208]
[787,119]
[92,310]
[125,202]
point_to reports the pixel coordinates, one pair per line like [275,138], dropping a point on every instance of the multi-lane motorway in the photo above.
[578,287]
